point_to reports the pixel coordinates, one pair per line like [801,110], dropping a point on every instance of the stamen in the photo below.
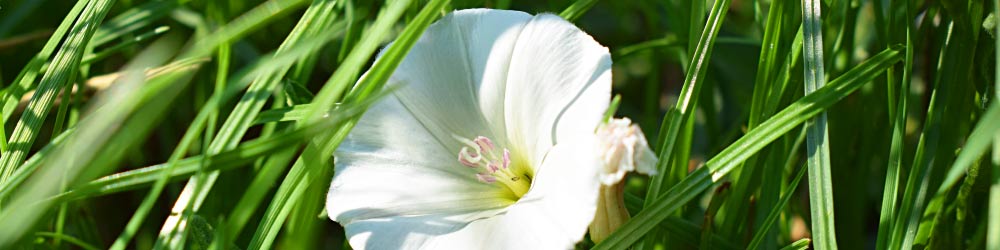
[484,143]
[494,164]
[469,159]
[506,158]
[486,178]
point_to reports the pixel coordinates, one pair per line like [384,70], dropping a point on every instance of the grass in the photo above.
[212,134]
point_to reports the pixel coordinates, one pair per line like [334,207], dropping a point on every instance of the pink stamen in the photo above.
[484,143]
[486,178]
[467,159]
[506,158]
[493,167]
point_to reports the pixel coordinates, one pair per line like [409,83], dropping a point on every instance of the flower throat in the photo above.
[493,164]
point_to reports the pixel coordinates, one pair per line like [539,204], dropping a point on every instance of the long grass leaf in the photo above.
[775,212]
[577,9]
[892,181]
[993,221]
[817,138]
[748,145]
[688,99]
[63,68]
[26,79]
[95,147]
[315,156]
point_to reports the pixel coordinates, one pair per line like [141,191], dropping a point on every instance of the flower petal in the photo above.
[553,215]
[412,232]
[452,79]
[558,86]
[389,165]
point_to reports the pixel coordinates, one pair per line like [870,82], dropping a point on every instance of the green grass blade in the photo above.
[775,212]
[293,113]
[976,145]
[817,138]
[95,147]
[316,155]
[70,239]
[26,79]
[993,220]
[577,9]
[173,232]
[89,59]
[802,244]
[688,99]
[134,19]
[892,181]
[245,153]
[64,67]
[954,57]
[748,145]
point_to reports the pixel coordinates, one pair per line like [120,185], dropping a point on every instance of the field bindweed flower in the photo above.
[623,148]
[488,142]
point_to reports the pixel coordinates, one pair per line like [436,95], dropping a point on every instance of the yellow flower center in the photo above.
[494,165]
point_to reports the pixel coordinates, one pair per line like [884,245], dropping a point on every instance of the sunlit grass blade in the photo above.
[686,231]
[173,232]
[817,138]
[26,79]
[95,147]
[577,9]
[64,67]
[977,144]
[688,99]
[245,153]
[748,145]
[293,113]
[933,147]
[315,157]
[802,244]
[272,63]
[893,171]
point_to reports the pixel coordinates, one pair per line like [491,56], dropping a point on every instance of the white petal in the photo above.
[389,165]
[553,215]
[623,148]
[558,86]
[452,79]
[411,232]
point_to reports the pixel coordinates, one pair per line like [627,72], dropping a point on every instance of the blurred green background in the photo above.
[951,84]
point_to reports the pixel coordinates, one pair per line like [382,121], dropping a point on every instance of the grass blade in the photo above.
[817,137]
[25,80]
[577,9]
[173,232]
[993,220]
[775,212]
[748,145]
[315,157]
[892,181]
[802,244]
[64,67]
[675,118]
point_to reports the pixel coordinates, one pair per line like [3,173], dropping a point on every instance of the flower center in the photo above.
[493,164]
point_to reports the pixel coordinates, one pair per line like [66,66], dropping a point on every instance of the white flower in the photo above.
[622,148]
[489,142]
